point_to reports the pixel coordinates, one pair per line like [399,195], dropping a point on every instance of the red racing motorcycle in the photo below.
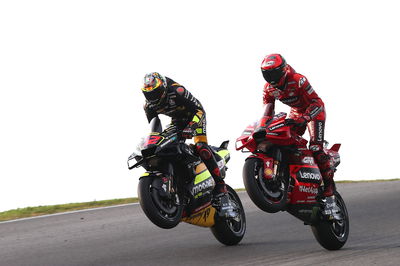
[281,175]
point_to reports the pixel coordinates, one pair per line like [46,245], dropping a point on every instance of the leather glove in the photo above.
[297,122]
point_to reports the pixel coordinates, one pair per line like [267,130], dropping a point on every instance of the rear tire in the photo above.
[163,212]
[230,231]
[266,198]
[333,235]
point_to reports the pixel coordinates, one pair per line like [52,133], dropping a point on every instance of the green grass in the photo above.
[43,210]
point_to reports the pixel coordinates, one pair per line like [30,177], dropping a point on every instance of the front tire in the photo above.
[162,211]
[267,196]
[230,231]
[333,235]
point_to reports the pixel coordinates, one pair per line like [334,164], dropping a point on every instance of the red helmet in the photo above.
[154,87]
[274,69]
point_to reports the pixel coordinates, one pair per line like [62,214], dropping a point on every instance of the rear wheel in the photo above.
[230,231]
[163,211]
[268,195]
[333,235]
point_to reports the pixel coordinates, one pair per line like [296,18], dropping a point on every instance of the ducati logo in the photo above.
[268,63]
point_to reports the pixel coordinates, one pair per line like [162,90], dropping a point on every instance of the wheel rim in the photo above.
[339,228]
[168,208]
[270,189]
[236,224]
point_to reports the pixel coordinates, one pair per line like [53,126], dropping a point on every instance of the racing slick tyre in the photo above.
[267,195]
[165,212]
[230,231]
[332,235]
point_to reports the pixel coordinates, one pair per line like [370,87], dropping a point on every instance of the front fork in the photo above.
[270,169]
[163,181]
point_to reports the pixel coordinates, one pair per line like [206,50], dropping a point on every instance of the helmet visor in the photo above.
[273,76]
[155,95]
[153,89]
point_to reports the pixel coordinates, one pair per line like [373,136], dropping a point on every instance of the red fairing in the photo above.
[306,178]
[303,168]
[276,133]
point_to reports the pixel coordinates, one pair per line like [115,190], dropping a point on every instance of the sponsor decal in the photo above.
[204,217]
[168,141]
[269,63]
[268,172]
[311,190]
[272,134]
[277,126]
[302,80]
[280,115]
[320,131]
[308,160]
[309,175]
[290,100]
[202,185]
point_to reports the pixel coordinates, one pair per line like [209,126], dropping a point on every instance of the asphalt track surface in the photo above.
[123,236]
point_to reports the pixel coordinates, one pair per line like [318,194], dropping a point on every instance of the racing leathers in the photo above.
[189,117]
[307,109]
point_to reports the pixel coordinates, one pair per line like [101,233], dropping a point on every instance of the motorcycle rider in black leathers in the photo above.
[165,96]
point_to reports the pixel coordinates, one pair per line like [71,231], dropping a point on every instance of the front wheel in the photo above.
[270,196]
[332,235]
[163,211]
[230,231]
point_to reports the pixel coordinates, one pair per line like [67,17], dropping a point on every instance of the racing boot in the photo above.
[221,199]
[222,202]
[330,210]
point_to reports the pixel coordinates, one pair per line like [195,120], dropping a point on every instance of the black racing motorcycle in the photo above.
[178,187]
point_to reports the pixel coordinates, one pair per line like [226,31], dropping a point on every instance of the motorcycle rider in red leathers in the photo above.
[167,97]
[307,110]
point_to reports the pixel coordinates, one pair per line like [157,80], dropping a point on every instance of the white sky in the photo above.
[71,72]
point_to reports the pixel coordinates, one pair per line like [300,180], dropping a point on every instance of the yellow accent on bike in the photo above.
[145,174]
[204,217]
[223,154]
[202,176]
